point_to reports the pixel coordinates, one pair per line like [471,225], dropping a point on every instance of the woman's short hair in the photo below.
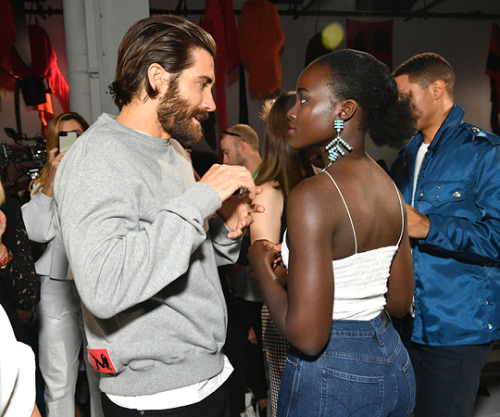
[361,77]
[167,40]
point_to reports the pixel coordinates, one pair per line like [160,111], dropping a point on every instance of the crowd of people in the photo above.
[308,275]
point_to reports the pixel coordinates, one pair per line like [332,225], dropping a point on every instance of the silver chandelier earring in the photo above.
[334,148]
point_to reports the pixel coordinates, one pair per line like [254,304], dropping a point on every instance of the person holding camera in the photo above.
[61,333]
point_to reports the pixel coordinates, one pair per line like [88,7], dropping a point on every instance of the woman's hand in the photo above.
[264,251]
[53,162]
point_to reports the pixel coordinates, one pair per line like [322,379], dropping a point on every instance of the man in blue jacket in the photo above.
[449,175]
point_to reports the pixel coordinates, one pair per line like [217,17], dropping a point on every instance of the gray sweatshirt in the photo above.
[144,247]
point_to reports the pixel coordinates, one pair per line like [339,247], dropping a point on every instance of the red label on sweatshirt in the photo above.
[100,360]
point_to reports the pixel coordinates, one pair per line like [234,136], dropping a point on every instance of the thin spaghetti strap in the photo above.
[402,214]
[348,213]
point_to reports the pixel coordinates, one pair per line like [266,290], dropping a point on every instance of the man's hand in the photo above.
[252,337]
[418,224]
[226,179]
[237,213]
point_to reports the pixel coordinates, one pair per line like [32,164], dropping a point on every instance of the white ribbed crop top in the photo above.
[360,279]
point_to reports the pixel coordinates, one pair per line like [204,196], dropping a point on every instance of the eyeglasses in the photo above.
[225,132]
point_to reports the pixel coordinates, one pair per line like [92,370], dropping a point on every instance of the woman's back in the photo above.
[372,203]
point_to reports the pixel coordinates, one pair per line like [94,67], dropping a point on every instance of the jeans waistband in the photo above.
[378,324]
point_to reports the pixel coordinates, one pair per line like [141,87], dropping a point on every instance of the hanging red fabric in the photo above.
[220,22]
[261,39]
[44,64]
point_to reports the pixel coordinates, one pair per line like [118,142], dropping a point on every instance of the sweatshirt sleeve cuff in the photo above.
[208,199]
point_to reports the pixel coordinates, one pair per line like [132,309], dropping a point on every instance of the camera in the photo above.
[21,162]
[24,150]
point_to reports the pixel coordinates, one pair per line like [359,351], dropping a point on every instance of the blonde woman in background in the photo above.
[61,332]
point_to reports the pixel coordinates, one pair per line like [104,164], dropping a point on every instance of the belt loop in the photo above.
[385,318]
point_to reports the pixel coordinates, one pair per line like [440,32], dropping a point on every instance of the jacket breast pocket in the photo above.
[438,193]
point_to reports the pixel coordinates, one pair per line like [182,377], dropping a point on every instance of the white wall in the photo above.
[463,42]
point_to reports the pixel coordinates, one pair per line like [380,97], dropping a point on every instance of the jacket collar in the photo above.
[450,124]
[452,121]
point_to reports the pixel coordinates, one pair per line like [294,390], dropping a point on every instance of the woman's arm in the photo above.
[400,285]
[303,313]
[267,225]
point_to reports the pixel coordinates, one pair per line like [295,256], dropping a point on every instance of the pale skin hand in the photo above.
[236,210]
[418,224]
[3,226]
[252,337]
[53,160]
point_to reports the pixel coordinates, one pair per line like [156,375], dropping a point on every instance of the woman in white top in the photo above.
[60,335]
[347,250]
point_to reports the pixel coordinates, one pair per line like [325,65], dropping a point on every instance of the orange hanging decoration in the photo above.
[261,39]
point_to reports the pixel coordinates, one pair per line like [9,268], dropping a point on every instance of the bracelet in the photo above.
[5,259]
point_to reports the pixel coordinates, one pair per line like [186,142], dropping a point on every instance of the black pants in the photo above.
[247,359]
[447,378]
[215,405]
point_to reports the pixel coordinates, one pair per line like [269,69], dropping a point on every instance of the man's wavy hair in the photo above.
[167,40]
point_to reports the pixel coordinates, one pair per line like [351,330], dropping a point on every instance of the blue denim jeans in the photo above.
[364,371]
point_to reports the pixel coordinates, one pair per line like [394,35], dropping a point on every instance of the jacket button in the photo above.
[422,194]
[490,326]
[475,129]
[438,187]
[437,197]
[457,194]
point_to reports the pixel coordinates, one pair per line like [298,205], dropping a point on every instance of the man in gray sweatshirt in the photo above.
[144,239]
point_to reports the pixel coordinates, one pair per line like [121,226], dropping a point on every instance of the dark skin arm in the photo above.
[400,285]
[304,317]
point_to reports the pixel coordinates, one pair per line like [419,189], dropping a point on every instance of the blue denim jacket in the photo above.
[457,266]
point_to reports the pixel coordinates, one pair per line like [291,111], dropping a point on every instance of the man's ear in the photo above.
[438,88]
[243,147]
[157,76]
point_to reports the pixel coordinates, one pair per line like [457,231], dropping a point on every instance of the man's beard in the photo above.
[176,117]
[239,159]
